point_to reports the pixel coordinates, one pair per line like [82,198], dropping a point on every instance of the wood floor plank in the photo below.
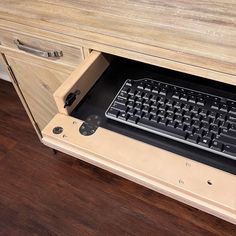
[46,194]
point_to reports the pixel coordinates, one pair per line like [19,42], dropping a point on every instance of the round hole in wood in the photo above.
[209,182]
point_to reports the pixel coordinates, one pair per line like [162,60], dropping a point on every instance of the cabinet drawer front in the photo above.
[52,51]
[194,183]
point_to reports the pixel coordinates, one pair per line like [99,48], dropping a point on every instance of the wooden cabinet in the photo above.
[185,37]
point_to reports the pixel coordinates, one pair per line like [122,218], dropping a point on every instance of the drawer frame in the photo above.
[68,55]
[199,185]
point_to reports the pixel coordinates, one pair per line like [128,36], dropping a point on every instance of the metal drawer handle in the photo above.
[38,52]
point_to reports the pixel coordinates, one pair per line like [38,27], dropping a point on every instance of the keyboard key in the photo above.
[195,110]
[206,120]
[214,129]
[138,106]
[122,116]
[192,99]
[225,125]
[146,96]
[197,117]
[163,92]
[119,107]
[205,126]
[147,116]
[133,119]
[141,85]
[231,133]
[225,139]
[139,94]
[170,116]
[204,142]
[162,128]
[184,97]
[176,95]
[153,111]
[154,98]
[196,124]
[232,119]
[193,138]
[230,150]
[200,132]
[163,121]
[178,118]
[172,124]
[221,117]
[204,112]
[181,126]
[232,110]
[131,111]
[146,109]
[132,92]
[213,114]
[200,101]
[139,114]
[178,105]
[188,114]
[155,118]
[130,104]
[162,100]
[190,129]
[113,112]
[215,105]
[217,146]
[224,108]
[125,89]
[129,83]
[124,95]
[187,107]
[121,101]
[187,121]
[161,114]
[148,87]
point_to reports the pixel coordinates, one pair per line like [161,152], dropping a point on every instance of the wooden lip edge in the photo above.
[85,32]
[164,59]
[142,180]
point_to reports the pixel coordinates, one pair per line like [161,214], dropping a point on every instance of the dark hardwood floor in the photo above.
[46,194]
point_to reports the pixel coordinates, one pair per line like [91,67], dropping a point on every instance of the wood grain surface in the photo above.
[196,37]
[46,194]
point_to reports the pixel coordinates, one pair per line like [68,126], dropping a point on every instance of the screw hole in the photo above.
[209,182]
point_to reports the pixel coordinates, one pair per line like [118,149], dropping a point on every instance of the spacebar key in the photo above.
[230,150]
[153,126]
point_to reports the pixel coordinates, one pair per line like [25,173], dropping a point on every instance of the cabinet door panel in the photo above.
[37,84]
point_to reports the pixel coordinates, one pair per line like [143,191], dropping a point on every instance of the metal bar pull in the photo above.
[38,52]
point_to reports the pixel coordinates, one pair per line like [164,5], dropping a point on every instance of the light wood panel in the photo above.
[165,172]
[4,62]
[37,84]
[82,80]
[194,37]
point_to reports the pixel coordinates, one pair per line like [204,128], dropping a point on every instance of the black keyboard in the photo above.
[202,120]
